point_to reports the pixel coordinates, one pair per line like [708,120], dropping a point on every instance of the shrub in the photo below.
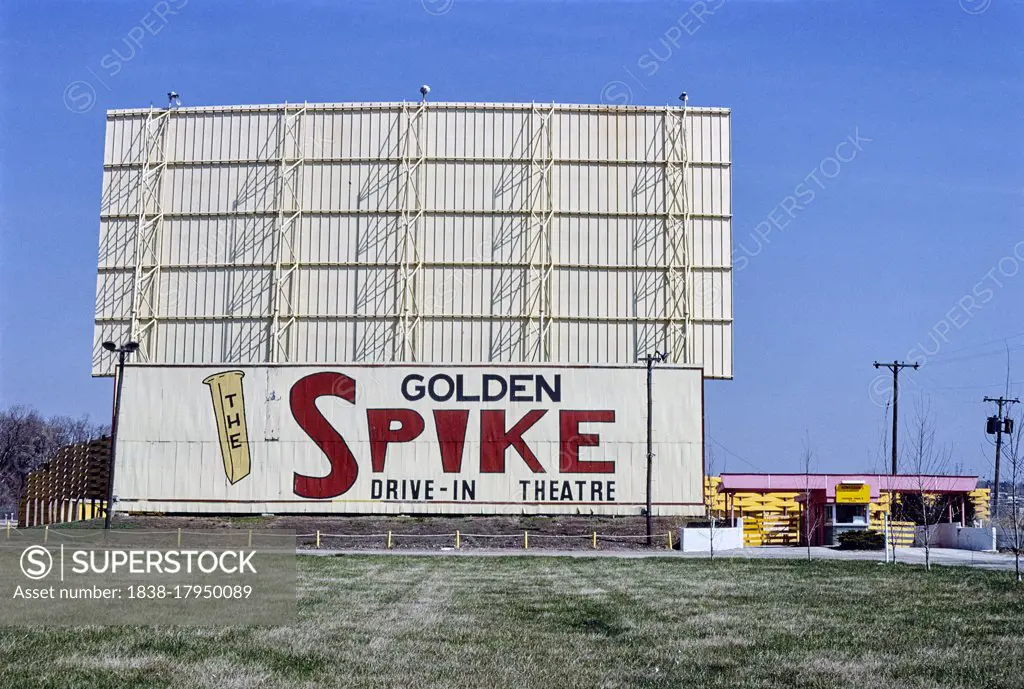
[861,540]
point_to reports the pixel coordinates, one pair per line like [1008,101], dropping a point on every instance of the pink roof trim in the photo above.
[793,483]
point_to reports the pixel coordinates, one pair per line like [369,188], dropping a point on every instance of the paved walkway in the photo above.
[915,556]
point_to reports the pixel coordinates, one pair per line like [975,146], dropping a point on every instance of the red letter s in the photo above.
[344,468]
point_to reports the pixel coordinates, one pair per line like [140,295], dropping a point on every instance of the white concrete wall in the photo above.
[955,536]
[1005,538]
[699,540]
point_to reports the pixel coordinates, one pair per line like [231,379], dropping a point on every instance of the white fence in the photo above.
[701,539]
[956,536]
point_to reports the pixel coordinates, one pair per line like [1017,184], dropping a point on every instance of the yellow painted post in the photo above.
[250,538]
[46,533]
[458,539]
[318,538]
[8,529]
[595,540]
[526,540]
[389,540]
[670,539]
[179,536]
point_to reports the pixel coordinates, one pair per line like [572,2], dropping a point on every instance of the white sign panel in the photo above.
[408,439]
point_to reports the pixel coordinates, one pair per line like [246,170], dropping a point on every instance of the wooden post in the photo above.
[318,538]
[458,539]
[670,539]
[389,540]
[526,540]
[595,540]
[179,536]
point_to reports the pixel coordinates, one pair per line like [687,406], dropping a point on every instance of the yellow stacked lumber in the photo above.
[900,532]
[712,498]
[771,529]
[980,499]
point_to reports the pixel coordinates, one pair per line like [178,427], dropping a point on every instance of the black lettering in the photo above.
[233,420]
[428,490]
[502,387]
[417,392]
[469,490]
[437,397]
[554,394]
[376,489]
[596,491]
[460,393]
[392,489]
[611,491]
[235,440]
[524,484]
[231,398]
[518,385]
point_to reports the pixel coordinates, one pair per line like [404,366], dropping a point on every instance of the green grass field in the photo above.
[523,622]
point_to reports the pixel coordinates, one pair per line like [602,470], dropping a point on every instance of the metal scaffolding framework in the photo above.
[417,232]
[148,234]
[291,156]
[410,226]
[677,238]
[539,258]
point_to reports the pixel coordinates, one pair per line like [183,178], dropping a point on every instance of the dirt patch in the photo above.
[419,533]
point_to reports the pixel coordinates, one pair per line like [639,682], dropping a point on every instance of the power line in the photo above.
[979,387]
[896,367]
[968,348]
[971,357]
[736,455]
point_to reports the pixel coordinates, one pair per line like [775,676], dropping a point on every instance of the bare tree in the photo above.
[1011,520]
[810,521]
[27,439]
[710,466]
[890,529]
[927,460]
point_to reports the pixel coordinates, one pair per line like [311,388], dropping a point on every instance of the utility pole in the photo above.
[895,368]
[650,360]
[1000,425]
[123,352]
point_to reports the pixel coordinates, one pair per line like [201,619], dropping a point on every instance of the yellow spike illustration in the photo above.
[229,411]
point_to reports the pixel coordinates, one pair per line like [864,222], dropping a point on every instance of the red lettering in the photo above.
[495,440]
[451,436]
[381,433]
[344,467]
[571,440]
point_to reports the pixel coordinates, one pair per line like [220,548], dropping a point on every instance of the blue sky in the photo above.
[908,248]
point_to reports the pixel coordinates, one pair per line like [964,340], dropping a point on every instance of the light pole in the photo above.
[122,354]
[650,360]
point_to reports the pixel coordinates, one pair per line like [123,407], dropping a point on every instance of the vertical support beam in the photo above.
[539,253]
[408,289]
[677,237]
[149,234]
[291,156]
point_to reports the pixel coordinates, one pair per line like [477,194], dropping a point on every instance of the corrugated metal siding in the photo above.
[221,190]
[170,457]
